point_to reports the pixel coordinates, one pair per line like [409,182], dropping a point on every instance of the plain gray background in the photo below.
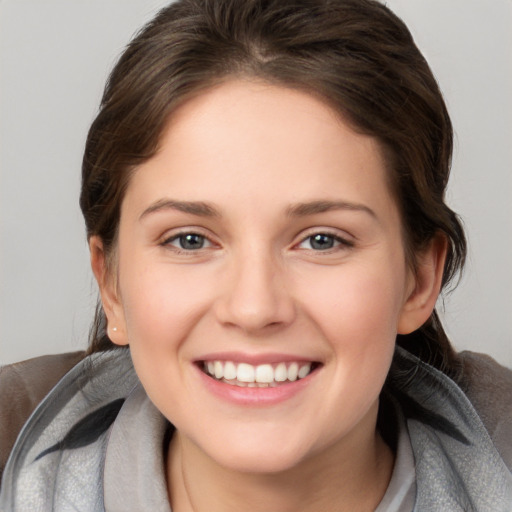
[54,58]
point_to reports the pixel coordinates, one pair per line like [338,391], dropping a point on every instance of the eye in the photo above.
[188,241]
[323,242]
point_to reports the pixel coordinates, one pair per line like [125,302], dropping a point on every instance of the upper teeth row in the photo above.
[263,373]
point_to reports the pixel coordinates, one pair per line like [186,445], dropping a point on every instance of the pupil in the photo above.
[322,242]
[191,241]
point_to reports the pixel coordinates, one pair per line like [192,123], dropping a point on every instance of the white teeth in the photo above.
[280,373]
[229,371]
[218,370]
[245,372]
[293,371]
[263,375]
[304,370]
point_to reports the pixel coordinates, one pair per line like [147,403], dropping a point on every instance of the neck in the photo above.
[344,477]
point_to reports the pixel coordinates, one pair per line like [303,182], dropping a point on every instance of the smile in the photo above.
[261,376]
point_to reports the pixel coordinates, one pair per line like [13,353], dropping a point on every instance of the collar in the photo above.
[134,474]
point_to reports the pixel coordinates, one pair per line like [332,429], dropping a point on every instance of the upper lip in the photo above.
[255,359]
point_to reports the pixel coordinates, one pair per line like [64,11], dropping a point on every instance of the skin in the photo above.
[254,152]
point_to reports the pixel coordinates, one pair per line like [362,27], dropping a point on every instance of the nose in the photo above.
[256,298]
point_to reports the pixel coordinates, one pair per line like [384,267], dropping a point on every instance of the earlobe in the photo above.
[111,303]
[427,281]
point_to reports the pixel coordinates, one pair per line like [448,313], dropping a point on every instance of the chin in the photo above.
[260,455]
[261,462]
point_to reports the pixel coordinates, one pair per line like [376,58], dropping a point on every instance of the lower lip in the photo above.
[255,396]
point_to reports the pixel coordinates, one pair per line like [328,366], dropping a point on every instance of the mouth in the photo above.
[258,376]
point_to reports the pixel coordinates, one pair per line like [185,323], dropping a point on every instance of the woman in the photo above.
[263,190]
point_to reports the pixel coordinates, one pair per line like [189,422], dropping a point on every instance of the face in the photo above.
[261,277]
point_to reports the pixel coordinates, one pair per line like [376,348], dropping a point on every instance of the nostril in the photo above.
[252,317]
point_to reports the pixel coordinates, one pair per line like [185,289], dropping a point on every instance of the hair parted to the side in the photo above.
[354,54]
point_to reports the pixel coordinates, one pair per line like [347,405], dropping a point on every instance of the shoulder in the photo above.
[22,386]
[75,418]
[488,385]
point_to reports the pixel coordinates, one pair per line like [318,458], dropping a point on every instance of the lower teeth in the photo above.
[250,384]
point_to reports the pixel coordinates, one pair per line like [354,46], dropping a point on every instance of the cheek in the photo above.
[161,304]
[353,302]
[356,309]
[162,307]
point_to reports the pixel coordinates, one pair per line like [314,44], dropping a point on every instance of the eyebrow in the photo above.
[198,208]
[203,209]
[314,207]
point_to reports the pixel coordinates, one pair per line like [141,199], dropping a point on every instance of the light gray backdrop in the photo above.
[54,58]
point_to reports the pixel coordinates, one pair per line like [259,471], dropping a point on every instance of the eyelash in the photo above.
[340,242]
[167,242]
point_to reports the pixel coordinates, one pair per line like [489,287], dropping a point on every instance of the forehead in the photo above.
[252,140]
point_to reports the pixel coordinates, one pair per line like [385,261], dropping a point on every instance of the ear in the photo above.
[425,286]
[107,283]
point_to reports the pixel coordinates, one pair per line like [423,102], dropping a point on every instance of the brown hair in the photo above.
[355,54]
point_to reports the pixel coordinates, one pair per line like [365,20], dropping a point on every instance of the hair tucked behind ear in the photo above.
[354,54]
